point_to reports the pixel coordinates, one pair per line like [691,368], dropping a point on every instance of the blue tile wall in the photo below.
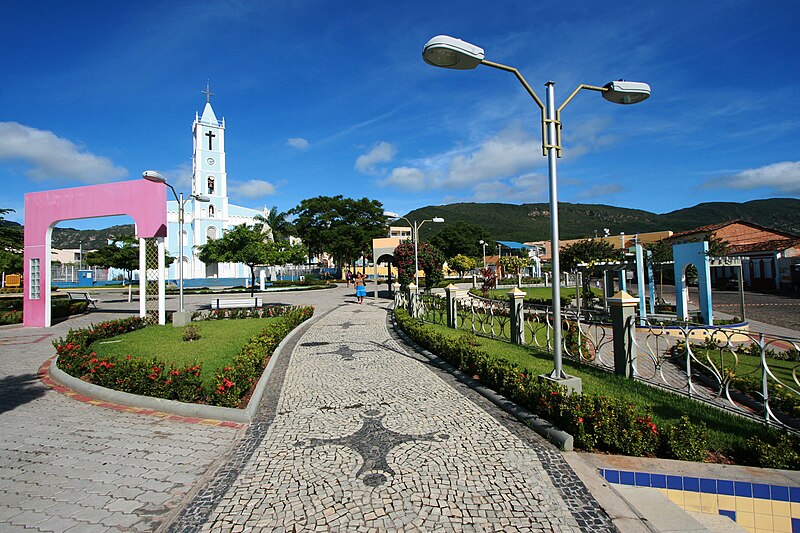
[726,487]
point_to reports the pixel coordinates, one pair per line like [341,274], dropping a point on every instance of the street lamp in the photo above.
[155,177]
[449,52]
[437,220]
[483,243]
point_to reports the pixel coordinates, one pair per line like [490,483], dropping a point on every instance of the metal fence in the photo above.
[753,374]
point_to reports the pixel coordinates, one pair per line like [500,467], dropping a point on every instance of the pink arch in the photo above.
[144,201]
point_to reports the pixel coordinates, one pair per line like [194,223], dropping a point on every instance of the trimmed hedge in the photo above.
[597,421]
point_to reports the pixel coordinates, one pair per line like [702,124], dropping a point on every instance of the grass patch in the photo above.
[219,341]
[727,432]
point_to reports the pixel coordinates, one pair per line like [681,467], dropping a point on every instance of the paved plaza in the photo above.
[356,432]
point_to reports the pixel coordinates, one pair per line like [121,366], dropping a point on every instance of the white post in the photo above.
[142,279]
[162,309]
[558,372]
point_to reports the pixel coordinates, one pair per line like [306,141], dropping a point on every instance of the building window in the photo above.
[211,233]
[211,185]
[211,211]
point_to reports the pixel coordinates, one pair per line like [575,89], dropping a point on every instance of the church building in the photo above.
[204,221]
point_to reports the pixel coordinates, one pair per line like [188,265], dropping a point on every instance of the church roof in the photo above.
[208,115]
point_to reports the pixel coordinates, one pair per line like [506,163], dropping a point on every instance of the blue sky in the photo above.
[325,98]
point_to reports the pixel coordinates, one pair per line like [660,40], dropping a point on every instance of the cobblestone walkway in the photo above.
[358,433]
[67,465]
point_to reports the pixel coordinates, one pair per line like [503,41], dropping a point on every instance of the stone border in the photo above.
[561,439]
[192,410]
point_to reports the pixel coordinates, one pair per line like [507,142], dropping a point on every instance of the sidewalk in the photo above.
[367,436]
[356,432]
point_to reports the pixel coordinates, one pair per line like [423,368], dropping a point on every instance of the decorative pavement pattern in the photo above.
[378,439]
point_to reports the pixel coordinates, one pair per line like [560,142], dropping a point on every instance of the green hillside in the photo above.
[531,222]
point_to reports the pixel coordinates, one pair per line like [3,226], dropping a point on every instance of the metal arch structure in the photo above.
[143,201]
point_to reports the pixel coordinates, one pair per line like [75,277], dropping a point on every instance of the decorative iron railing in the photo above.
[753,374]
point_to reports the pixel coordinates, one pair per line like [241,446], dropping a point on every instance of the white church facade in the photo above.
[204,221]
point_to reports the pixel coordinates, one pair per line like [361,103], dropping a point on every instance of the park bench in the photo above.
[82,297]
[229,303]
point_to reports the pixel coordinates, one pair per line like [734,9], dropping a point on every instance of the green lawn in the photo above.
[725,430]
[748,365]
[219,341]
[537,292]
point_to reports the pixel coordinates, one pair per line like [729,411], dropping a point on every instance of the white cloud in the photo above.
[783,176]
[253,188]
[383,152]
[298,142]
[505,155]
[407,178]
[179,176]
[52,157]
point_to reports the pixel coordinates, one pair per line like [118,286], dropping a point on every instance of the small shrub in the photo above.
[191,333]
[782,454]
[684,440]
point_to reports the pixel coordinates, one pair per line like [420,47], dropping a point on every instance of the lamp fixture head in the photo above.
[201,197]
[155,177]
[391,214]
[626,92]
[449,52]
[437,219]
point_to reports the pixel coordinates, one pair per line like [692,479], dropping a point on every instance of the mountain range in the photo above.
[531,222]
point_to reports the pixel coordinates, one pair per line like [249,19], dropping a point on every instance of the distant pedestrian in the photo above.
[348,276]
[360,283]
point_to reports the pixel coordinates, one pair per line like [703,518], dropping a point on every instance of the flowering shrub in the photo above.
[151,377]
[594,421]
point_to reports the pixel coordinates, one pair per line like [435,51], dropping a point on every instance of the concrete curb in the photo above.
[561,439]
[212,412]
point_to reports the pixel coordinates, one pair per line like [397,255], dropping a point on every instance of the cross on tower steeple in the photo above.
[208,92]
[210,136]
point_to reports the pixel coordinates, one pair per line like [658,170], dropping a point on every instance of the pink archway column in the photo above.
[142,200]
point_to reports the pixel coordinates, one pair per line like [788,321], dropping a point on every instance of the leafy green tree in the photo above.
[431,261]
[588,252]
[240,244]
[122,253]
[461,263]
[276,222]
[512,264]
[462,238]
[11,245]
[343,227]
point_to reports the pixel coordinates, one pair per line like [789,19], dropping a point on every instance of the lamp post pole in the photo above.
[552,157]
[416,254]
[151,175]
[180,248]
[448,52]
[483,244]
[415,236]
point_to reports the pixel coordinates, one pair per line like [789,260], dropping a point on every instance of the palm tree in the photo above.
[281,227]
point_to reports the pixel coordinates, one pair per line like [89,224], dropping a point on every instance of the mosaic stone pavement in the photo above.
[360,433]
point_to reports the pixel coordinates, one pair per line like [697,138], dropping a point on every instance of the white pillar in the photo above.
[142,278]
[162,310]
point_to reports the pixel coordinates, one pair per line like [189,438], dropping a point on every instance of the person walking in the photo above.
[360,283]
[348,276]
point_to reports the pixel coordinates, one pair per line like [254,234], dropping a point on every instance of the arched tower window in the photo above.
[211,185]
[211,233]
[211,211]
